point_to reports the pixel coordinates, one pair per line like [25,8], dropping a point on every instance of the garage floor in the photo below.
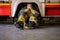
[10,32]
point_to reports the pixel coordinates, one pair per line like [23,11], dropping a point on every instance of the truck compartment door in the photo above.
[52,10]
[5,9]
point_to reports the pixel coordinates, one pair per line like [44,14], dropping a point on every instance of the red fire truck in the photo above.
[50,10]
[5,10]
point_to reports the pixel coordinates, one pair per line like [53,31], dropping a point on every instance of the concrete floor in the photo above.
[10,32]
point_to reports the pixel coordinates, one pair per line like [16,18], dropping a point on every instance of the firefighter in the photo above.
[32,16]
[27,17]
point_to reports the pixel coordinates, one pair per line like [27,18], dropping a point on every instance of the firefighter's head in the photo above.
[29,6]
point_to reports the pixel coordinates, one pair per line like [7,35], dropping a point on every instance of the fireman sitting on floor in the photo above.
[28,16]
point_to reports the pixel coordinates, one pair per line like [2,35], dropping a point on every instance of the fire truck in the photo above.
[49,9]
[5,10]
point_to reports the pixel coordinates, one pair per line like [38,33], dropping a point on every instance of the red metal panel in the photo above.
[51,5]
[52,10]
[5,9]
